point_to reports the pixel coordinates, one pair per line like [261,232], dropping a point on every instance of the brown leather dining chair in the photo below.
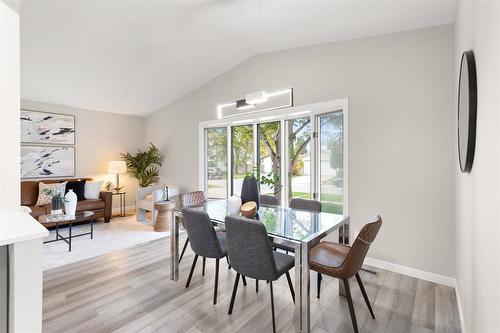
[190,199]
[344,262]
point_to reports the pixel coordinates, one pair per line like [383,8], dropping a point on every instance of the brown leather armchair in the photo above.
[101,207]
[344,262]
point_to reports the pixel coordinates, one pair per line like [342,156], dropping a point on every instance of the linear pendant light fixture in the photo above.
[257,102]
[242,104]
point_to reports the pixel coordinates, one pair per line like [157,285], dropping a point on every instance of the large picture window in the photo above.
[241,155]
[216,166]
[299,158]
[292,154]
[331,161]
[269,158]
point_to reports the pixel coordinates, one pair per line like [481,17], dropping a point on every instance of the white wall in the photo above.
[100,137]
[401,131]
[9,106]
[25,274]
[478,193]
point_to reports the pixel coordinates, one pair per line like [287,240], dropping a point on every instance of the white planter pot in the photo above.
[234,205]
[70,201]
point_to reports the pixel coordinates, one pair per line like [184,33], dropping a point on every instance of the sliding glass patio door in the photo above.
[216,164]
[269,158]
[330,161]
[299,156]
[242,155]
[299,172]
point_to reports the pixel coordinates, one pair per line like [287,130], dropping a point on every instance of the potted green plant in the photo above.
[144,165]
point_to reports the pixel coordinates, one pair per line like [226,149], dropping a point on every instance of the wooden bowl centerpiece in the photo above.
[249,209]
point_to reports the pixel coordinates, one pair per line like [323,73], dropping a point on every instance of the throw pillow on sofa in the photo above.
[78,187]
[46,199]
[93,189]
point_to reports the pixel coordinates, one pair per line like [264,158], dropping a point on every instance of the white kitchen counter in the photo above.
[18,227]
[24,237]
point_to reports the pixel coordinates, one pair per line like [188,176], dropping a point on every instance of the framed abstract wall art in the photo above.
[47,161]
[44,127]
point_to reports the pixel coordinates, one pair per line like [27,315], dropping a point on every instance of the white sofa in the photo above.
[148,196]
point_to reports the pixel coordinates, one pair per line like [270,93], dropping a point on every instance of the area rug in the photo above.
[120,233]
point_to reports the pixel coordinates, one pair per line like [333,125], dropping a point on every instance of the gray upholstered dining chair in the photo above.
[304,204]
[250,254]
[269,200]
[299,204]
[204,240]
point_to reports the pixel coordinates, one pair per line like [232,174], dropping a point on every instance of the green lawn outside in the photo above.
[334,208]
[324,197]
[301,195]
[332,203]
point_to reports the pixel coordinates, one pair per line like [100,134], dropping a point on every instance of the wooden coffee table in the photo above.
[61,218]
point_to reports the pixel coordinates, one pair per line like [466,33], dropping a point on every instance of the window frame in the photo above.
[205,154]
[282,115]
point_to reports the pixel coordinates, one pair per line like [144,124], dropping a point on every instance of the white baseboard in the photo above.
[413,272]
[460,309]
[424,275]
[116,210]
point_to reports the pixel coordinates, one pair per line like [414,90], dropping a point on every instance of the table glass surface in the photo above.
[292,224]
[48,218]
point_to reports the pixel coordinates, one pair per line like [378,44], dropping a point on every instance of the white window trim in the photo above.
[278,115]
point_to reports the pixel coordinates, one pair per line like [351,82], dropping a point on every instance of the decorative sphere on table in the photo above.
[234,205]
[70,201]
[249,209]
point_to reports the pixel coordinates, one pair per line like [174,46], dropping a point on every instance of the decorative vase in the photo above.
[234,205]
[56,205]
[70,203]
[250,191]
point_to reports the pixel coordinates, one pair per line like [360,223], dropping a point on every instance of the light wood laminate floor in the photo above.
[130,291]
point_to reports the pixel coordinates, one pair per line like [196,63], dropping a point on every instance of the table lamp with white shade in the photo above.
[117,167]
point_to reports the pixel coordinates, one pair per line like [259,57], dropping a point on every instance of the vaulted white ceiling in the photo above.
[136,56]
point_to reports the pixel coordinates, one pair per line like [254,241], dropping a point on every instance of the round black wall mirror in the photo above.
[467,111]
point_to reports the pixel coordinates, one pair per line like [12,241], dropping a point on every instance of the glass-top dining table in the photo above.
[295,228]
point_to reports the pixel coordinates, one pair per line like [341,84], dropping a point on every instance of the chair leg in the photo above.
[233,296]
[184,249]
[203,269]
[192,270]
[319,284]
[351,306]
[365,296]
[256,286]
[272,304]
[216,280]
[291,286]
[244,280]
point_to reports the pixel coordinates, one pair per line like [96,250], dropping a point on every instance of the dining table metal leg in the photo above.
[174,247]
[302,289]
[343,239]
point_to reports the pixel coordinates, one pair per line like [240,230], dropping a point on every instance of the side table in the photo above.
[121,195]
[165,216]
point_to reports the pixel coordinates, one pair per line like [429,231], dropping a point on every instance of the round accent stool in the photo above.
[165,215]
